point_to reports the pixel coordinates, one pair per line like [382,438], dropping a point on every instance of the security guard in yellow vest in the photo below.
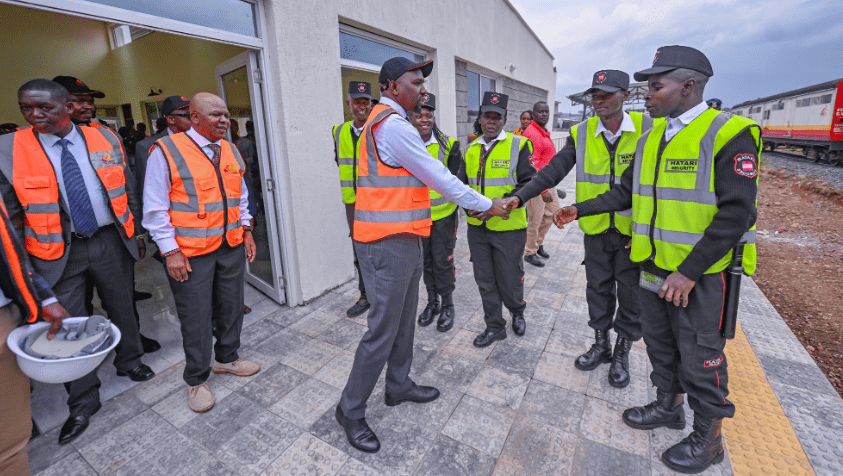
[692,189]
[345,155]
[602,148]
[497,164]
[439,273]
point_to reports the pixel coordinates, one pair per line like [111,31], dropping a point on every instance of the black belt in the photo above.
[85,237]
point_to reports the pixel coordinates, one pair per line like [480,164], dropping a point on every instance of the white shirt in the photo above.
[399,144]
[676,124]
[626,126]
[431,141]
[482,139]
[79,150]
[156,196]
[357,130]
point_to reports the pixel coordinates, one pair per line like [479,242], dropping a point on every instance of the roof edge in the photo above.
[515,10]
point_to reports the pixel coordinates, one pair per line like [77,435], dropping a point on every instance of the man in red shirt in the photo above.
[540,210]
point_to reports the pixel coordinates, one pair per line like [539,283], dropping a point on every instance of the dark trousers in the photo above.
[612,277]
[349,216]
[438,250]
[392,268]
[685,346]
[210,304]
[498,260]
[104,260]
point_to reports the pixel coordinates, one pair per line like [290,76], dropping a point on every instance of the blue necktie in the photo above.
[81,210]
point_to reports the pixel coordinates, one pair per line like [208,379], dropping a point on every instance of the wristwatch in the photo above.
[247,228]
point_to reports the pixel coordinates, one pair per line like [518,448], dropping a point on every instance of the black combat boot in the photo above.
[446,318]
[430,311]
[619,370]
[665,410]
[599,353]
[699,450]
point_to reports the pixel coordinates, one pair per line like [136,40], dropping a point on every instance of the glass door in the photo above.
[239,86]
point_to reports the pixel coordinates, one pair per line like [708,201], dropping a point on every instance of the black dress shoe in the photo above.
[519,326]
[140,295]
[541,252]
[362,305]
[246,309]
[418,394]
[75,426]
[358,433]
[446,319]
[149,345]
[534,260]
[430,312]
[488,337]
[561,194]
[141,373]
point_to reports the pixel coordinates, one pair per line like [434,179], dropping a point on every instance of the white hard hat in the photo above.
[78,348]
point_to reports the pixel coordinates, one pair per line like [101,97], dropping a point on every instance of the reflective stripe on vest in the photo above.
[21,275]
[441,207]
[23,158]
[670,217]
[390,200]
[596,168]
[346,160]
[204,200]
[496,181]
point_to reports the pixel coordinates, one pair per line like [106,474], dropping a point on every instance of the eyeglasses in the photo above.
[180,115]
[600,97]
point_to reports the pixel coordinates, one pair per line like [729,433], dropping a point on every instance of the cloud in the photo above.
[781,44]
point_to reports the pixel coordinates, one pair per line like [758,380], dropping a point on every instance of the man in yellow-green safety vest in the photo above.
[497,164]
[602,147]
[345,155]
[692,188]
[438,249]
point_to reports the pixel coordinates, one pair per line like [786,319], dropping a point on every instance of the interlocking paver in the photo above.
[307,402]
[254,447]
[601,422]
[481,425]
[513,358]
[560,371]
[592,458]
[272,385]
[447,456]
[307,455]
[536,448]
[499,387]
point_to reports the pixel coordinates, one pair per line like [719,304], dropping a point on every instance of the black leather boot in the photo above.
[430,311]
[699,450]
[665,410]
[599,353]
[619,370]
[446,318]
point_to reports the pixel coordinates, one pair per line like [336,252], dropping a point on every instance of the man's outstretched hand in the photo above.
[499,208]
[564,216]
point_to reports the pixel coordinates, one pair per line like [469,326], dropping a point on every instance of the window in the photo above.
[122,35]
[815,100]
[825,99]
[363,50]
[235,16]
[803,102]
[477,85]
[738,112]
[767,114]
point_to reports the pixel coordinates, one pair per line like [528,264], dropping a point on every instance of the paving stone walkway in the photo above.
[517,407]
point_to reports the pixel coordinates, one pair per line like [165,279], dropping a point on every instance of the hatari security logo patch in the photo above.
[681,165]
[625,158]
[710,363]
[746,165]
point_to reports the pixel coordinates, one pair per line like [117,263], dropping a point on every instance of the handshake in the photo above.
[501,207]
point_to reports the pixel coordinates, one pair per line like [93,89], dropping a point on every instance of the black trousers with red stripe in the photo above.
[438,249]
[685,346]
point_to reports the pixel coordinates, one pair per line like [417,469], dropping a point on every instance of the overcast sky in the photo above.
[756,47]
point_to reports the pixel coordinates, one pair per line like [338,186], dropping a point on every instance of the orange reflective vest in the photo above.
[390,200]
[12,253]
[37,188]
[204,200]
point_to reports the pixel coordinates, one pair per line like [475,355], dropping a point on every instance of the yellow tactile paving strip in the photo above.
[760,440]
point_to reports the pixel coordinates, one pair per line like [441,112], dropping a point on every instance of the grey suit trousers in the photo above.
[391,270]
[104,260]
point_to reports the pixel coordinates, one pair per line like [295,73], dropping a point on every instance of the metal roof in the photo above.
[636,96]
[796,92]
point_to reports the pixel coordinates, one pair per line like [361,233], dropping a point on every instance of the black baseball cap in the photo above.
[359,89]
[609,80]
[673,57]
[494,102]
[429,101]
[172,103]
[77,86]
[394,68]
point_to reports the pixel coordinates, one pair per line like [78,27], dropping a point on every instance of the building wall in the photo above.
[308,100]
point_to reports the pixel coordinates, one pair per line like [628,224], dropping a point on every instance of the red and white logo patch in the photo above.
[495,99]
[746,165]
[655,58]
[711,363]
[80,83]
[601,77]
[185,99]
[426,98]
[361,87]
